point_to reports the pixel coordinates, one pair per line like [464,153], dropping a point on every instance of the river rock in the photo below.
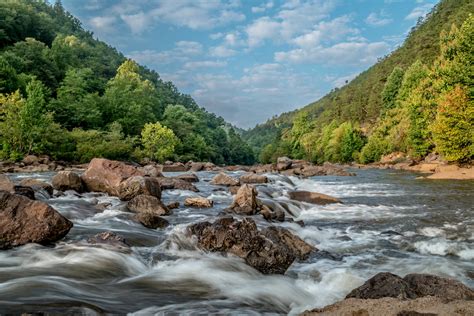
[270,215]
[198,202]
[432,285]
[253,178]
[109,238]
[170,183]
[173,205]
[196,166]
[383,284]
[152,171]
[224,179]
[234,189]
[313,197]
[6,184]
[30,160]
[147,203]
[25,221]
[138,185]
[152,221]
[38,185]
[105,175]
[283,163]
[67,180]
[24,191]
[174,167]
[188,177]
[269,251]
[245,201]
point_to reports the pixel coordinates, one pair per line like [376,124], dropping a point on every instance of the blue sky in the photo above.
[250,60]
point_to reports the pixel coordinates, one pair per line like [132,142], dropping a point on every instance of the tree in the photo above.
[11,135]
[158,141]
[391,88]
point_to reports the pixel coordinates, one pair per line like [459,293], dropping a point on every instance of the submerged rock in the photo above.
[67,180]
[245,201]
[109,238]
[224,179]
[173,205]
[23,221]
[313,197]
[147,204]
[198,202]
[271,250]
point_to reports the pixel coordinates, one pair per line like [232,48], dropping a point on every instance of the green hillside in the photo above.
[360,103]
[69,95]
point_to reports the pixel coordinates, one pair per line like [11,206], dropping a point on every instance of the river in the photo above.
[389,221]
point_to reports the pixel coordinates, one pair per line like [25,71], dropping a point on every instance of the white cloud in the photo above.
[182,52]
[137,22]
[375,19]
[263,7]
[419,11]
[104,24]
[348,53]
[222,51]
[204,64]
[215,36]
[261,29]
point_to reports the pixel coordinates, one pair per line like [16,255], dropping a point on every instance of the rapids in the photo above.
[389,221]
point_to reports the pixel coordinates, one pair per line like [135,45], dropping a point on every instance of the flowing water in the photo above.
[389,221]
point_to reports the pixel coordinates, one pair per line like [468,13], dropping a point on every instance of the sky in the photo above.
[250,60]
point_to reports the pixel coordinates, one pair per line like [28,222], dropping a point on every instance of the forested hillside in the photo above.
[412,101]
[68,95]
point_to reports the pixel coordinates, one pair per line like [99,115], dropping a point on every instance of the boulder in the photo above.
[270,215]
[269,251]
[196,166]
[110,239]
[245,201]
[151,171]
[432,285]
[30,160]
[175,167]
[199,202]
[170,183]
[24,191]
[37,185]
[188,177]
[67,180]
[152,221]
[138,185]
[381,285]
[313,197]
[234,189]
[6,184]
[105,175]
[25,221]
[147,204]
[412,286]
[224,179]
[283,163]
[312,171]
[209,166]
[253,178]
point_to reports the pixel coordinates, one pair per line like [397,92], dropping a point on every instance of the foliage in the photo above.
[158,141]
[391,88]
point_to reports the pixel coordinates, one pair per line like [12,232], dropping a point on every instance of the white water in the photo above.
[389,222]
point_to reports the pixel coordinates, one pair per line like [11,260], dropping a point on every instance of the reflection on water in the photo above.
[389,222]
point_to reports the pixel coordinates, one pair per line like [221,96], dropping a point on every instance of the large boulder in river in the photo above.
[25,221]
[105,175]
[198,202]
[271,250]
[188,177]
[174,167]
[30,160]
[224,179]
[313,197]
[6,184]
[136,185]
[147,204]
[152,221]
[67,180]
[38,185]
[253,178]
[245,201]
[412,286]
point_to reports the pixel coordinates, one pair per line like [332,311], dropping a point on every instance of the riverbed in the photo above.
[388,221]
